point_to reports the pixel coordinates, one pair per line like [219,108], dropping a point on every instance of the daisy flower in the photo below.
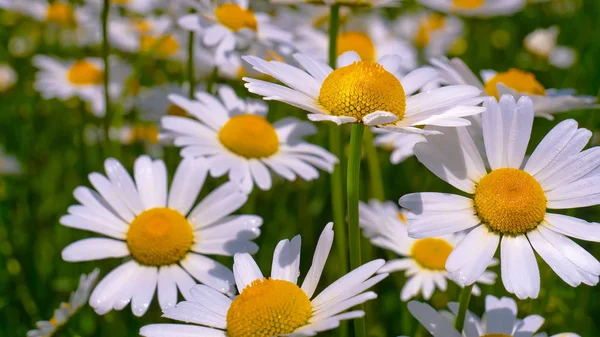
[83,78]
[153,103]
[348,3]
[543,44]
[433,33]
[509,201]
[480,8]
[163,237]
[423,260]
[66,310]
[517,83]
[137,6]
[274,306]
[8,77]
[235,137]
[366,92]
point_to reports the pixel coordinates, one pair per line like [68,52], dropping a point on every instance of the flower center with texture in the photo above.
[431,253]
[359,42]
[61,14]
[250,136]
[162,46]
[85,73]
[520,81]
[361,88]
[159,237]
[427,26]
[510,201]
[235,17]
[467,4]
[268,308]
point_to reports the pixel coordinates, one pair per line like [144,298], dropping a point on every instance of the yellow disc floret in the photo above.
[268,308]
[520,81]
[235,17]
[61,14]
[162,46]
[361,88]
[510,201]
[250,136]
[467,4]
[358,42]
[159,237]
[85,73]
[431,253]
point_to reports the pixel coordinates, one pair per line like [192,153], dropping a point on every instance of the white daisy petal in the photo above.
[492,124]
[260,174]
[192,312]
[209,272]
[429,224]
[436,324]
[111,195]
[572,251]
[144,292]
[123,184]
[417,78]
[286,260]
[379,117]
[318,262]
[519,132]
[179,330]
[187,183]
[522,266]
[500,315]
[551,146]
[103,295]
[93,225]
[431,201]
[245,270]
[167,288]
[472,255]
[347,59]
[94,249]
[573,227]
[211,299]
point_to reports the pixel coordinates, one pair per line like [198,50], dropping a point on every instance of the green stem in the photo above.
[190,64]
[463,299]
[108,117]
[352,185]
[334,28]
[212,80]
[375,181]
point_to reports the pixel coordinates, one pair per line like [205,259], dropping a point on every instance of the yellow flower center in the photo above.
[361,88]
[235,17]
[510,201]
[159,237]
[162,46]
[249,136]
[61,14]
[467,4]
[427,26]
[520,81]
[85,73]
[268,308]
[175,110]
[141,26]
[431,253]
[144,133]
[359,42]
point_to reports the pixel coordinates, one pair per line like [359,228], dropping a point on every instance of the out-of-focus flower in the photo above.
[423,260]
[137,6]
[432,32]
[349,3]
[235,136]
[274,306]
[66,310]
[481,8]
[510,198]
[236,68]
[517,83]
[8,77]
[543,44]
[153,103]
[166,239]
[8,164]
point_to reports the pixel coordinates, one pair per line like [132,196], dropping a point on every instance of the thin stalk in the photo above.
[108,117]
[375,181]
[463,304]
[352,185]
[190,64]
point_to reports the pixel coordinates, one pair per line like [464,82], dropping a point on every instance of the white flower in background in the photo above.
[9,164]
[153,103]
[543,43]
[235,68]
[8,77]
[517,83]
[274,306]
[509,203]
[137,6]
[227,25]
[66,310]
[164,238]
[366,92]
[401,144]
[236,138]
[423,260]
[348,3]
[83,78]
[480,8]
[434,33]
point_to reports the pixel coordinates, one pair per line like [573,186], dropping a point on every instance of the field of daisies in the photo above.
[260,168]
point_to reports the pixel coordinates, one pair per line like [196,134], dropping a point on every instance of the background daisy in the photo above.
[481,8]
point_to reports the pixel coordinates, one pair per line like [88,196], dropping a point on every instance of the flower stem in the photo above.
[463,305]
[190,64]
[108,117]
[375,181]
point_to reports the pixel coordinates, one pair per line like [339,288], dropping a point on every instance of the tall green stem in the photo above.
[108,117]
[190,64]
[463,305]
[375,180]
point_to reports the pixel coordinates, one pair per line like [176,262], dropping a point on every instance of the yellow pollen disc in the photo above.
[427,26]
[159,237]
[467,4]
[175,110]
[54,321]
[249,136]
[520,81]
[268,308]
[361,88]
[144,132]
[510,201]
[85,73]
[431,253]
[60,13]
[235,17]
[163,46]
[359,42]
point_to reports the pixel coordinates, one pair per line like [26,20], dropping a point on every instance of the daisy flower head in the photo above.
[431,32]
[510,199]
[163,236]
[274,306]
[61,316]
[235,137]
[543,44]
[517,83]
[136,6]
[347,3]
[423,260]
[479,8]
[367,92]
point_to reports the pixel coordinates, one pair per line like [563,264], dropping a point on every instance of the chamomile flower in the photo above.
[234,135]
[480,8]
[83,78]
[543,44]
[153,103]
[274,306]
[423,260]
[348,3]
[366,92]
[509,202]
[66,310]
[137,6]
[517,83]
[431,32]
[8,77]
[157,229]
